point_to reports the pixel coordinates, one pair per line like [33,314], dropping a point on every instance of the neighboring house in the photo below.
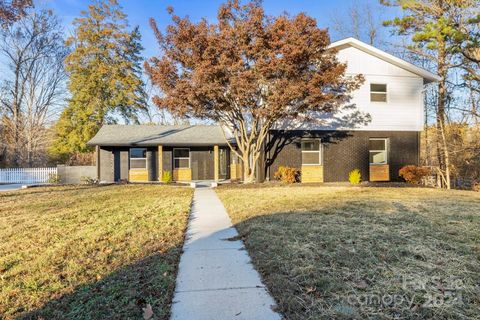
[379,136]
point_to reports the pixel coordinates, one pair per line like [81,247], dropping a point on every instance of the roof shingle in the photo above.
[153,135]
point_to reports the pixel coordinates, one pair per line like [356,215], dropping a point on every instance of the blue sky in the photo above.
[139,12]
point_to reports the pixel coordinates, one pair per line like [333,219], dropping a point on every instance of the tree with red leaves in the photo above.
[247,72]
[11,11]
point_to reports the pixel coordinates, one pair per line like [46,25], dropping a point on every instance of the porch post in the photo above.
[97,160]
[160,162]
[216,162]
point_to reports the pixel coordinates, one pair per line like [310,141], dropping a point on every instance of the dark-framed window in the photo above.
[138,158]
[181,158]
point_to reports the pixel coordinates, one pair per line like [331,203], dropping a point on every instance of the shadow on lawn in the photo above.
[120,295]
[346,263]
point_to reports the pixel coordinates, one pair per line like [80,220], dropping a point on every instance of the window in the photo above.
[378,92]
[311,152]
[181,158]
[378,150]
[138,158]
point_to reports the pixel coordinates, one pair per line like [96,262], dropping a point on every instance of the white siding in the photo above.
[403,110]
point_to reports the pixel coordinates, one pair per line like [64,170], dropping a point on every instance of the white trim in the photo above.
[319,151]
[189,158]
[386,151]
[426,75]
[379,92]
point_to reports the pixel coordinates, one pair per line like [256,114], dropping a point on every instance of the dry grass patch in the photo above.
[363,253]
[90,252]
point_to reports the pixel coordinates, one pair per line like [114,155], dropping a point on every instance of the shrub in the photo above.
[287,174]
[476,186]
[355,176]
[88,180]
[166,177]
[413,174]
[53,178]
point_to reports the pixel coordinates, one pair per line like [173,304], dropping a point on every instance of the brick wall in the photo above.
[343,151]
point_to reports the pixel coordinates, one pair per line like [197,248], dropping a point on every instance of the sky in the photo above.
[140,11]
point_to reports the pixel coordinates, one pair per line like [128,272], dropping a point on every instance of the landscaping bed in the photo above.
[90,252]
[363,253]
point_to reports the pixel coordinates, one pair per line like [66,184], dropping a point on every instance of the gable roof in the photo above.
[352,42]
[153,135]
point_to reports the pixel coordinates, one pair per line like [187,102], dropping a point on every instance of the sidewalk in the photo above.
[216,279]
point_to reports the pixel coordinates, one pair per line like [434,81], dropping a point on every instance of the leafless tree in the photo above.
[33,86]
[362,21]
[155,115]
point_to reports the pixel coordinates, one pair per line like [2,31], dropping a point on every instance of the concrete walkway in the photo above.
[10,187]
[216,279]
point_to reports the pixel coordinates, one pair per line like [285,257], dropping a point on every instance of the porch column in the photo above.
[160,162]
[216,162]
[97,160]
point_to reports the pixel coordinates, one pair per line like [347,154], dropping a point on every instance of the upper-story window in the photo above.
[311,152]
[138,158]
[378,92]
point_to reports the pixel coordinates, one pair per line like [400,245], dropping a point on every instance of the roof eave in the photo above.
[146,145]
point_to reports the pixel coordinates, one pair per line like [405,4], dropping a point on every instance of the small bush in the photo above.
[166,177]
[53,178]
[355,176]
[476,186]
[413,174]
[287,174]
[88,180]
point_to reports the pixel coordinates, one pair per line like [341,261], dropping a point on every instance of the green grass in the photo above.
[90,252]
[363,253]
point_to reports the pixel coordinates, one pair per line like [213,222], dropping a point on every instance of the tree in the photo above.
[469,48]
[11,11]
[360,21]
[105,76]
[248,71]
[33,50]
[433,27]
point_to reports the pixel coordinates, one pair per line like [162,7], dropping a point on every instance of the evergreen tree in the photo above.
[434,27]
[104,69]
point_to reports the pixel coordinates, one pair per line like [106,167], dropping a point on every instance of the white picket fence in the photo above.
[27,175]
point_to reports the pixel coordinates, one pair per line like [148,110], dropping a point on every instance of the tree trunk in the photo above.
[442,146]
[248,169]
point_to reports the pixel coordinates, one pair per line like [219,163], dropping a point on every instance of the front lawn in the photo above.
[363,253]
[90,252]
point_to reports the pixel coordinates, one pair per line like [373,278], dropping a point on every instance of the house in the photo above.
[379,134]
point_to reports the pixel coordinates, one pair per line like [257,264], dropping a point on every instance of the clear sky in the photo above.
[139,12]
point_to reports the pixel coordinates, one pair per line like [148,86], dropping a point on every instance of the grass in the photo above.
[363,253]
[90,252]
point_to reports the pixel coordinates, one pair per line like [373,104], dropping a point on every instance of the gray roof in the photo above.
[153,135]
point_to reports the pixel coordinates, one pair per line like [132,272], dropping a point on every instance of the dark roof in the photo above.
[153,135]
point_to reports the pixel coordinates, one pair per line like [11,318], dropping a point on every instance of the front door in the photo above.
[202,163]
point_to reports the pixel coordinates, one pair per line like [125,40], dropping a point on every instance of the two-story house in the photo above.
[379,135]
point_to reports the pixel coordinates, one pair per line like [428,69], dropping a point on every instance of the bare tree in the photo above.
[361,21]
[155,115]
[33,50]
